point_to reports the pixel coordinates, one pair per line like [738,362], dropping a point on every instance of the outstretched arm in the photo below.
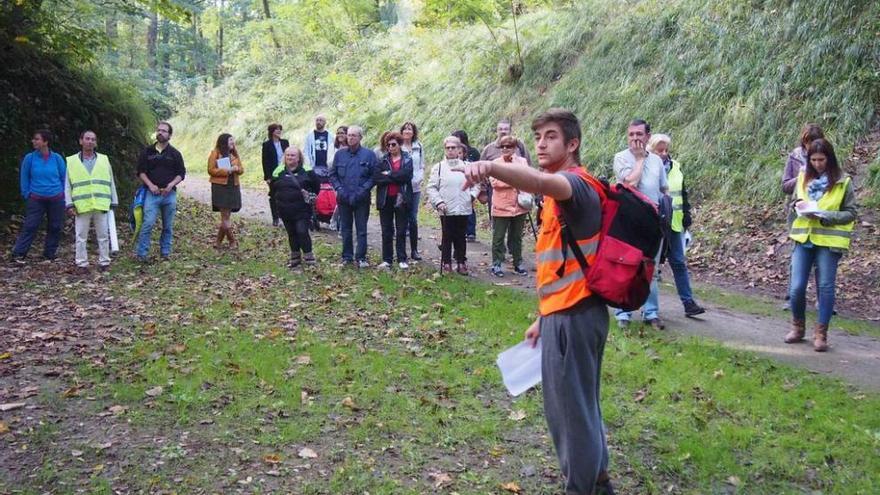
[521,177]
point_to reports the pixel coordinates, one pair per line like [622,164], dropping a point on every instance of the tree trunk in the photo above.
[152,35]
[268,15]
[220,13]
[164,51]
[111,27]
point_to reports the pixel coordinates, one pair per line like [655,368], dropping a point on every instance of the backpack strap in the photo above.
[568,237]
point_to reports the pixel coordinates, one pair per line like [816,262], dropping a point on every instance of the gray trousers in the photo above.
[573,341]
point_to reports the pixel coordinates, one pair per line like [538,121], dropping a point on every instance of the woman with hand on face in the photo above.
[294,188]
[224,168]
[447,194]
[825,209]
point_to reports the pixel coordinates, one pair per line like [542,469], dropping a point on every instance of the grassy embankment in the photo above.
[389,378]
[732,83]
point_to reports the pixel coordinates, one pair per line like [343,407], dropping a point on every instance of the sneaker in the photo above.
[471,238]
[656,323]
[691,308]
[446,267]
[103,268]
[142,260]
[403,265]
[363,264]
[519,270]
[165,257]
[622,323]
[461,268]
[604,488]
[382,266]
[82,270]
[309,259]
[416,256]
[21,260]
[497,271]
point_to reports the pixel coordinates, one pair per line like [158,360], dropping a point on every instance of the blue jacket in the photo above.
[42,177]
[352,175]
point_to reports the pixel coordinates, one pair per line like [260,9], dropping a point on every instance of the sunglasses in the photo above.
[392,145]
[507,147]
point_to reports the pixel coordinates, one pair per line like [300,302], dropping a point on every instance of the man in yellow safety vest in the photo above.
[90,193]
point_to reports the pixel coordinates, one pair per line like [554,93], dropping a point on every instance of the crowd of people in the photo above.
[821,209]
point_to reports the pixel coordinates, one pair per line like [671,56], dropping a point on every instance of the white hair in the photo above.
[657,139]
[356,129]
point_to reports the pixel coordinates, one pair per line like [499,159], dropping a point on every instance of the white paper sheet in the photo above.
[520,367]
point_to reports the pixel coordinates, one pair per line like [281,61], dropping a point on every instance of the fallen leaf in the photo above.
[154,392]
[76,453]
[518,415]
[3,428]
[718,374]
[307,453]
[640,395]
[5,355]
[349,403]
[272,459]
[117,410]
[511,487]
[104,446]
[304,359]
[12,405]
[440,479]
[733,481]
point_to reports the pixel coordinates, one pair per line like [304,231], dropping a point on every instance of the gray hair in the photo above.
[657,139]
[452,139]
[356,129]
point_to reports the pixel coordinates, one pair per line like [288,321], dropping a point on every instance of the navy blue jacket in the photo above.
[352,175]
[402,178]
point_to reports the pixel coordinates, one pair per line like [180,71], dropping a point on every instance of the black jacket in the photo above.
[270,157]
[287,189]
[402,178]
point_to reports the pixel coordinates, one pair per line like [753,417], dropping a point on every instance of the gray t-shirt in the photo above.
[653,180]
[582,211]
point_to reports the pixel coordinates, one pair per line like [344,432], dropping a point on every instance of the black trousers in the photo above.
[394,222]
[298,234]
[273,208]
[454,236]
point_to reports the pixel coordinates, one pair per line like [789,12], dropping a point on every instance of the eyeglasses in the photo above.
[392,145]
[452,147]
[507,147]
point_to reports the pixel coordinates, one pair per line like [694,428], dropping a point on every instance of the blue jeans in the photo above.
[357,215]
[651,309]
[153,205]
[678,263]
[472,224]
[35,210]
[413,226]
[803,258]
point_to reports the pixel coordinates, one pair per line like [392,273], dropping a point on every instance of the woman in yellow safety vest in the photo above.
[825,211]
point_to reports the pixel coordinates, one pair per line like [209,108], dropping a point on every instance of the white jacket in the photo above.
[445,186]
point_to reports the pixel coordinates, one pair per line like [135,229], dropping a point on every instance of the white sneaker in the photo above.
[382,266]
[363,264]
[403,265]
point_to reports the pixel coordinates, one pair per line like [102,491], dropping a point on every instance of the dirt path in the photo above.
[855,359]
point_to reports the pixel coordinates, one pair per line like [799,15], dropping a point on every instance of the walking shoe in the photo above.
[446,267]
[276,222]
[309,258]
[416,256]
[656,323]
[622,323]
[103,268]
[604,488]
[382,266]
[461,268]
[519,270]
[142,260]
[691,308]
[363,264]
[497,271]
[21,260]
[82,270]
[796,334]
[403,265]
[820,338]
[165,257]
[471,238]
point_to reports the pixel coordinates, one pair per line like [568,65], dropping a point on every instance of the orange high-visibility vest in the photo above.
[556,292]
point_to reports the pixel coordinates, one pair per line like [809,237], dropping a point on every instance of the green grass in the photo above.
[763,306]
[225,336]
[732,82]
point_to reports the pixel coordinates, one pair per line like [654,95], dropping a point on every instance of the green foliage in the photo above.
[39,91]
[732,85]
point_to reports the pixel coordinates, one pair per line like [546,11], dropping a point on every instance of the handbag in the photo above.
[525,200]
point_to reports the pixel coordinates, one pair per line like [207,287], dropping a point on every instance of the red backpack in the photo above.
[629,238]
[325,203]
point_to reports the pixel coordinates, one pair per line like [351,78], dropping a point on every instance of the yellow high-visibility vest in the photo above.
[806,228]
[675,179]
[90,192]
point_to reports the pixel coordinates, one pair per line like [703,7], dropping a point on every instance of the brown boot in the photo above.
[820,338]
[233,242]
[796,334]
[218,242]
